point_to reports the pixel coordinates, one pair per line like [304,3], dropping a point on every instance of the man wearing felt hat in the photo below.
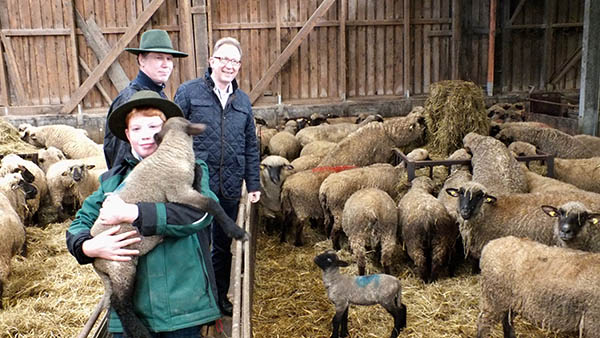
[155,60]
[175,291]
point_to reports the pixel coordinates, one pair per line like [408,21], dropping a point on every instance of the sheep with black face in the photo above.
[576,227]
[344,290]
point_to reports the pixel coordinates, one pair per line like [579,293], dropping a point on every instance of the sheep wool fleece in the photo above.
[174,286]
[228,145]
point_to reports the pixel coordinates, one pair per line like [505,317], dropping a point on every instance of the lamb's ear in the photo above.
[195,128]
[452,192]
[342,263]
[550,210]
[289,167]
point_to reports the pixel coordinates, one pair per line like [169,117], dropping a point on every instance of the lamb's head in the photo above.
[14,181]
[78,171]
[276,168]
[509,135]
[404,131]
[328,260]
[471,197]
[520,148]
[423,183]
[11,163]
[35,138]
[573,218]
[179,125]
[49,156]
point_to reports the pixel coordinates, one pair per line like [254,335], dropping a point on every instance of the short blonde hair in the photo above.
[228,41]
[144,111]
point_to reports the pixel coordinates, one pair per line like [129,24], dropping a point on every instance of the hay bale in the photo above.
[453,109]
[10,141]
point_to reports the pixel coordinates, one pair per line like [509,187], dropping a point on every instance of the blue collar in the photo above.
[146,82]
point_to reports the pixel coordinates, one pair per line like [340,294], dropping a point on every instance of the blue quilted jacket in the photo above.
[228,145]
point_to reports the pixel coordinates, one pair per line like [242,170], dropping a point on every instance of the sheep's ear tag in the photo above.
[262,167]
[595,219]
[552,213]
[490,199]
[452,192]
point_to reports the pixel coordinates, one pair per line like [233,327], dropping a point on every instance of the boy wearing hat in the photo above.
[155,59]
[174,289]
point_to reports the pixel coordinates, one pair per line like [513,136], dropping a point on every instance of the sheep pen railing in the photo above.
[243,281]
[411,166]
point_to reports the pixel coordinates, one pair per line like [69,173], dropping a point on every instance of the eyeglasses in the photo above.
[224,61]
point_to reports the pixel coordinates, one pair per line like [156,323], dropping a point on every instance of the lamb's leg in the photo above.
[298,241]
[344,328]
[196,199]
[387,251]
[1,292]
[335,234]
[507,326]
[417,254]
[487,319]
[440,259]
[337,321]
[398,311]
[357,244]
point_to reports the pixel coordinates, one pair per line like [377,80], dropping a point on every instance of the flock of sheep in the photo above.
[535,238]
[69,164]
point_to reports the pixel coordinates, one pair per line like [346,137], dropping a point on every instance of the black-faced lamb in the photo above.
[344,290]
[576,226]
[551,287]
[548,140]
[370,219]
[373,143]
[73,142]
[70,182]
[428,231]
[494,166]
[14,192]
[147,182]
[484,217]
[338,187]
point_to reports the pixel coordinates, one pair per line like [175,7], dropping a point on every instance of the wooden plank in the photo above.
[111,56]
[61,51]
[188,64]
[573,60]
[4,22]
[36,31]
[418,51]
[428,51]
[40,53]
[324,58]
[590,70]
[278,41]
[332,23]
[342,52]
[407,50]
[380,55]
[200,38]
[547,59]
[73,57]
[491,50]
[351,50]
[371,40]
[361,51]
[13,71]
[313,47]
[506,48]
[99,86]
[512,18]
[303,54]
[456,39]
[285,55]
[100,47]
[50,42]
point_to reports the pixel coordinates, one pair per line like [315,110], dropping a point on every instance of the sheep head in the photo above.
[329,260]
[179,124]
[572,218]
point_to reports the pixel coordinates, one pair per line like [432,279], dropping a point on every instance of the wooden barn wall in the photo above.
[358,49]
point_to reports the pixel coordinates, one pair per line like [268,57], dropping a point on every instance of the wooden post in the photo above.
[549,10]
[13,71]
[590,70]
[186,40]
[407,51]
[130,33]
[99,86]
[3,81]
[201,40]
[343,56]
[491,49]
[506,50]
[289,50]
[70,15]
[456,38]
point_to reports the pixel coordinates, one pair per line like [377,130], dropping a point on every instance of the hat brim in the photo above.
[116,119]
[173,52]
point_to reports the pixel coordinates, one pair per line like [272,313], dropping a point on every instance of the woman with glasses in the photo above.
[228,145]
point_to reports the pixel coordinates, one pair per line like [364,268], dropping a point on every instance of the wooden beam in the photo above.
[289,50]
[278,42]
[574,59]
[100,47]
[342,50]
[456,38]
[491,49]
[517,11]
[4,91]
[549,14]
[73,57]
[407,50]
[80,93]
[590,70]
[99,86]
[13,71]
[200,38]
[506,50]
[186,39]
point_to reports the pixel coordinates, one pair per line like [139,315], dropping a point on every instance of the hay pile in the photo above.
[10,142]
[48,294]
[453,109]
[290,299]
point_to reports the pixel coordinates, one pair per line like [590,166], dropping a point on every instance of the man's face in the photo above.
[225,64]
[158,66]
[140,133]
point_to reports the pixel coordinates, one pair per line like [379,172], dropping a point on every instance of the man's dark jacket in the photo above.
[228,145]
[116,149]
